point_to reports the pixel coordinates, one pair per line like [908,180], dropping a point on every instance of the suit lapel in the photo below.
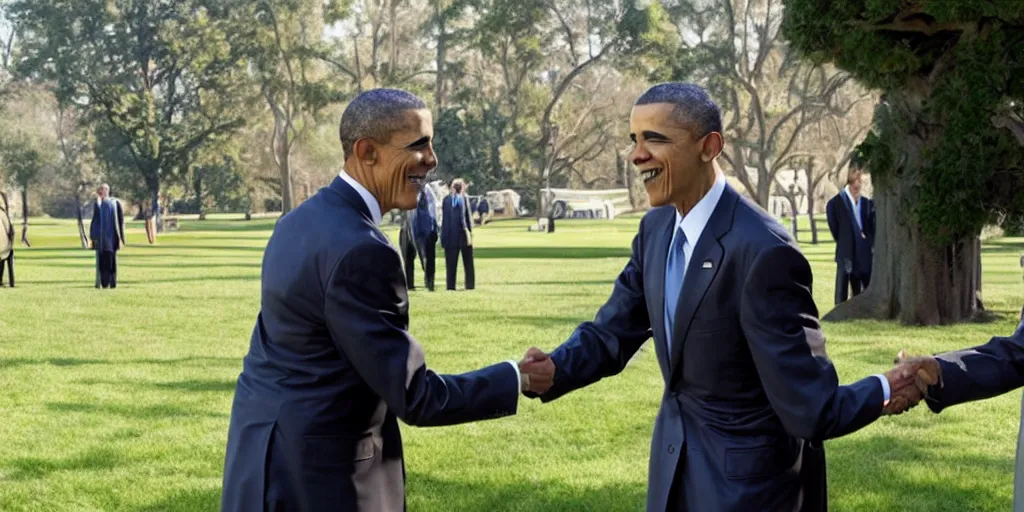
[704,264]
[662,236]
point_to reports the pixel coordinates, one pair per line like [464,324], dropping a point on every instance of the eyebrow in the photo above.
[419,142]
[649,135]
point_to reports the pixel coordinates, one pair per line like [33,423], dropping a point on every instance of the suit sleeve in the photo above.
[830,214]
[365,298]
[979,373]
[120,223]
[467,220]
[780,321]
[602,347]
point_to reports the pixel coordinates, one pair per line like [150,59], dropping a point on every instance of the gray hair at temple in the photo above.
[375,114]
[694,108]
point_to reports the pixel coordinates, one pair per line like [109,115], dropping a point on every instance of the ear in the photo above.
[365,151]
[712,146]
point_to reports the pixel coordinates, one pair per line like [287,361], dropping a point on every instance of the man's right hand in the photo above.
[909,381]
[537,370]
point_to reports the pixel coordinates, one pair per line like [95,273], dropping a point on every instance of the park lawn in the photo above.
[119,400]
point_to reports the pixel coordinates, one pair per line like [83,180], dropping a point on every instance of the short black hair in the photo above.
[694,108]
[375,114]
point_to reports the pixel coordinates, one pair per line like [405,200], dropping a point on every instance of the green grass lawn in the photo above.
[119,400]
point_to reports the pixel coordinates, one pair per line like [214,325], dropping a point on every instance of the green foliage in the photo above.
[468,146]
[21,159]
[948,68]
[165,75]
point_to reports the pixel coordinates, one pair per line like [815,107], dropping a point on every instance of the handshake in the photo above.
[536,372]
[909,380]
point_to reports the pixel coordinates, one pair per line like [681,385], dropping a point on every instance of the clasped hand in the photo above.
[537,371]
[909,381]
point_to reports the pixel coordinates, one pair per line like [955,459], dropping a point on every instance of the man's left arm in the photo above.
[780,321]
[602,348]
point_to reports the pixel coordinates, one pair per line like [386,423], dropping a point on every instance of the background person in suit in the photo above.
[407,247]
[106,233]
[6,241]
[457,235]
[851,219]
[749,391]
[331,366]
[424,228]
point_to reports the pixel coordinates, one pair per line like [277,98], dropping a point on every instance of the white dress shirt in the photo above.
[374,206]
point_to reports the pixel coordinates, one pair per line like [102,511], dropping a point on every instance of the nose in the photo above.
[430,158]
[639,154]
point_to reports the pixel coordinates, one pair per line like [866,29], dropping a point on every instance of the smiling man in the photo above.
[749,391]
[331,366]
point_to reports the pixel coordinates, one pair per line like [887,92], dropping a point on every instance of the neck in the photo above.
[363,176]
[700,188]
[853,195]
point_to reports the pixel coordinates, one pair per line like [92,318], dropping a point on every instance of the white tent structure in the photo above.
[587,204]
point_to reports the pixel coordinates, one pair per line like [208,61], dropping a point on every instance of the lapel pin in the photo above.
[707,264]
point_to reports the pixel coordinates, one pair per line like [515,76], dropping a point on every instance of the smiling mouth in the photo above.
[650,174]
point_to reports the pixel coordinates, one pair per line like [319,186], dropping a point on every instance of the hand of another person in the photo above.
[469,238]
[537,371]
[909,381]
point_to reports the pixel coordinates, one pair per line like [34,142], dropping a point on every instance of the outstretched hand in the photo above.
[537,370]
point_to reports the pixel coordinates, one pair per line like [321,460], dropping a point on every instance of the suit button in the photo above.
[671,449]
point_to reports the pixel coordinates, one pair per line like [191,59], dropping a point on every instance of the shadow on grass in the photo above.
[874,469]
[218,386]
[569,253]
[547,322]
[146,412]
[188,500]
[426,492]
[27,468]
[204,361]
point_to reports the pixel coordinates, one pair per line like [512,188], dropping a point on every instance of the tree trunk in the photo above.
[24,216]
[912,279]
[81,225]
[441,56]
[793,216]
[285,168]
[811,220]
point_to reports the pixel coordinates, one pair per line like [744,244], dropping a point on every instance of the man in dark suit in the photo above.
[6,241]
[106,232]
[457,235]
[331,366]
[851,219]
[749,391]
[424,229]
[407,248]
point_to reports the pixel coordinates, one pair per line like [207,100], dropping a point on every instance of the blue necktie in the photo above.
[675,269]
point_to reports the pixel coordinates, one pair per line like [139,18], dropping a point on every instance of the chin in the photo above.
[407,201]
[656,198]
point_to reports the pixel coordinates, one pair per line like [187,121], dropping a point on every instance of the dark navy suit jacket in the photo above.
[455,220]
[981,372]
[749,392]
[330,366]
[850,246]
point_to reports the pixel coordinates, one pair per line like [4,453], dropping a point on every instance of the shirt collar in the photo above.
[848,194]
[371,202]
[694,222]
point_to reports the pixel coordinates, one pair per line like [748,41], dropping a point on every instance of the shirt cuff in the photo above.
[519,377]
[885,387]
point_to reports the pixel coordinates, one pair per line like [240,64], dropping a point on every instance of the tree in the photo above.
[768,96]
[286,43]
[23,159]
[945,152]
[164,76]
